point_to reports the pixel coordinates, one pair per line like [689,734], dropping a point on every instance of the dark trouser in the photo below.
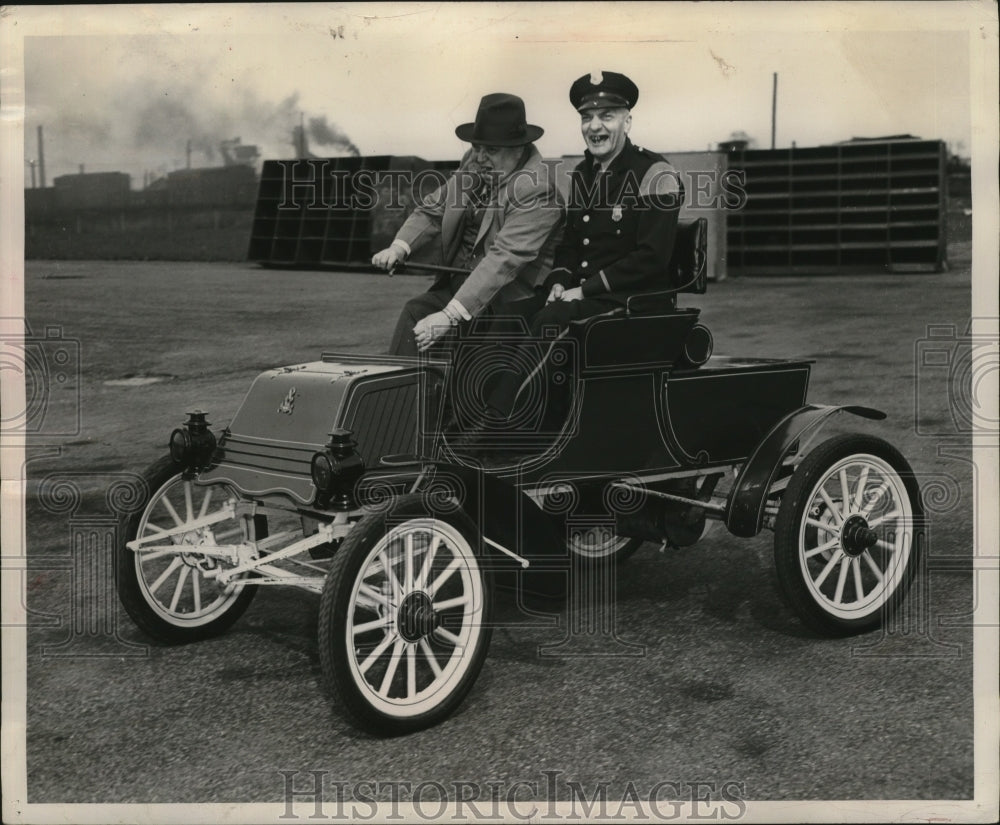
[434,300]
[539,316]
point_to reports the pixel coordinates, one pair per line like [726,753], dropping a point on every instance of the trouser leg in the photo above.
[526,362]
[403,342]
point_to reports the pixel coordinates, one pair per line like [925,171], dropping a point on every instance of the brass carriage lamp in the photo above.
[336,469]
[193,445]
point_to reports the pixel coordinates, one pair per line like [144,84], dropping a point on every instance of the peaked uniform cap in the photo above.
[603,90]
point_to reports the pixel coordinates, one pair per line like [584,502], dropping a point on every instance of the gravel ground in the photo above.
[727,686]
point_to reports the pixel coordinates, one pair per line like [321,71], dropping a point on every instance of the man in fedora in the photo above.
[496,217]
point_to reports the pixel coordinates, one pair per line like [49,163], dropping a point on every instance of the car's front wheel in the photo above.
[404,620]
[168,584]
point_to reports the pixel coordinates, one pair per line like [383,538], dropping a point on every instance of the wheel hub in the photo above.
[416,617]
[856,536]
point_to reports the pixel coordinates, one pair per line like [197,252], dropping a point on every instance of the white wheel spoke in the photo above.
[859,590]
[390,671]
[838,596]
[829,566]
[451,568]
[384,621]
[455,602]
[205,502]
[188,502]
[378,651]
[196,590]
[408,564]
[154,529]
[874,567]
[391,577]
[876,496]
[447,635]
[431,658]
[859,492]
[172,511]
[165,574]
[832,529]
[411,671]
[157,554]
[834,509]
[428,561]
[822,548]
[180,587]
[845,493]
[886,545]
[370,597]
[877,521]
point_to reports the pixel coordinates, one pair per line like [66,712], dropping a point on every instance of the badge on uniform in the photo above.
[616,213]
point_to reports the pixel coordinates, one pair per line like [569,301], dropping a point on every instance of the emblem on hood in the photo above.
[289,402]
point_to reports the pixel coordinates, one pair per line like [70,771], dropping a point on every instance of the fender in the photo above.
[525,543]
[745,508]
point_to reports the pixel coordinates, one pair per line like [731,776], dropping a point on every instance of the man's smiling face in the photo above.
[604,131]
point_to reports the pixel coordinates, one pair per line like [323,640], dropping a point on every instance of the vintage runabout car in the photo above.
[351,477]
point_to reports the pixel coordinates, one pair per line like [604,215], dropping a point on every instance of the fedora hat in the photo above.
[500,121]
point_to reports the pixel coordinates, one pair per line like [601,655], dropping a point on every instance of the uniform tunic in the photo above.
[620,227]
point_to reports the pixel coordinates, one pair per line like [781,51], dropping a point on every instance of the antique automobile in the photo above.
[350,477]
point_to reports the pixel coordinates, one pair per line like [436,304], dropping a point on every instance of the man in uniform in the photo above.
[497,217]
[620,227]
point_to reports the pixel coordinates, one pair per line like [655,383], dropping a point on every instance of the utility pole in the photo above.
[774,106]
[41,158]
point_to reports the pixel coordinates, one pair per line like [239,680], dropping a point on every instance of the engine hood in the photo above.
[288,413]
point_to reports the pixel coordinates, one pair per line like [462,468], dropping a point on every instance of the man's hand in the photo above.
[388,258]
[556,293]
[431,329]
[574,294]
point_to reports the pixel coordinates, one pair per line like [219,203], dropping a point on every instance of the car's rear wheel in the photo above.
[404,620]
[167,586]
[847,536]
[600,545]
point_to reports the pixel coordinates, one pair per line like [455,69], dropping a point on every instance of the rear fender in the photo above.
[745,508]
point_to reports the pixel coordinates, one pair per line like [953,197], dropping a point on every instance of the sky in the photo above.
[125,92]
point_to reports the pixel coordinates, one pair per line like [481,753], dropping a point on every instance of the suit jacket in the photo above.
[517,236]
[620,226]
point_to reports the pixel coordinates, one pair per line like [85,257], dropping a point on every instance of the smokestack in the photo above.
[31,163]
[41,157]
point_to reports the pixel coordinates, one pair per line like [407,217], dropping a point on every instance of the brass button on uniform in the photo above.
[583,265]
[586,218]
[586,241]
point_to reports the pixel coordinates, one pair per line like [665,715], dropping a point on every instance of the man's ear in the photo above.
[628,123]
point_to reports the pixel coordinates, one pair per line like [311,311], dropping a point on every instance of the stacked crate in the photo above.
[865,205]
[329,212]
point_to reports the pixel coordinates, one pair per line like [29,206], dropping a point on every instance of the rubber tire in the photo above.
[335,603]
[619,556]
[130,593]
[786,533]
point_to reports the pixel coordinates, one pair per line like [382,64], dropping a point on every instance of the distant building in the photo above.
[95,190]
